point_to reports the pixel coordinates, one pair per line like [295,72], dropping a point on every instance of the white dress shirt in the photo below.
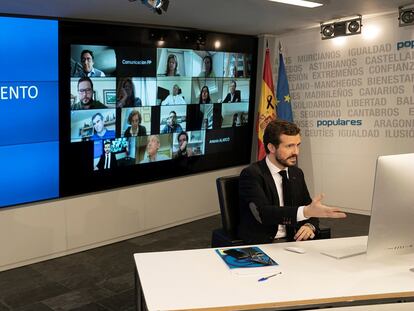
[173,100]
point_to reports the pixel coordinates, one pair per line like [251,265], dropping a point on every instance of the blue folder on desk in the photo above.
[245,257]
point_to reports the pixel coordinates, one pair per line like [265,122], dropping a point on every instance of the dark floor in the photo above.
[103,278]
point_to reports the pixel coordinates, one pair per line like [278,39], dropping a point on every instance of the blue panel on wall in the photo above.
[28,49]
[29,172]
[29,128]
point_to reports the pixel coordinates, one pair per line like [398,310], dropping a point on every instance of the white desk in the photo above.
[198,279]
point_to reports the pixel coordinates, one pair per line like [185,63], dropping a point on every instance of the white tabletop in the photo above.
[195,279]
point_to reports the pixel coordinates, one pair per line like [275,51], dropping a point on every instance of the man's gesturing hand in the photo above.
[317,209]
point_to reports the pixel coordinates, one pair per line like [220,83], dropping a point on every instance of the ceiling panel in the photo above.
[251,17]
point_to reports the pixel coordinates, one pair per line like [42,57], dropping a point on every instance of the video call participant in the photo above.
[175,98]
[87,61]
[235,121]
[172,66]
[126,95]
[100,131]
[172,126]
[108,159]
[152,155]
[234,95]
[135,128]
[207,68]
[268,212]
[244,118]
[86,101]
[183,149]
[204,95]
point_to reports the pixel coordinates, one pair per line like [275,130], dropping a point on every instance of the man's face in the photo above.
[232,87]
[87,62]
[286,154]
[98,124]
[85,92]
[152,146]
[172,119]
[182,140]
[107,148]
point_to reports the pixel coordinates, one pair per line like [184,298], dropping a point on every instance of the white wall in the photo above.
[37,232]
[340,160]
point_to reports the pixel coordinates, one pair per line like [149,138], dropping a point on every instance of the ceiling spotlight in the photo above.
[158,6]
[405,16]
[353,26]
[201,39]
[342,27]
[158,36]
[328,30]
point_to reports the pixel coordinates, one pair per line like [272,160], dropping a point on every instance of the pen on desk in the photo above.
[268,277]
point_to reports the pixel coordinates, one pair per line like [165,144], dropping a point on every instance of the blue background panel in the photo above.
[28,49]
[29,173]
[29,126]
[29,120]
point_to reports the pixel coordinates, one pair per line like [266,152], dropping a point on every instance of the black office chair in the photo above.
[228,193]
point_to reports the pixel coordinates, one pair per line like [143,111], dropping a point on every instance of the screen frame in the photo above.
[92,33]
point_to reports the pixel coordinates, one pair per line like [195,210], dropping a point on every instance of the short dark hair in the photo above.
[85,79]
[98,114]
[87,51]
[107,142]
[275,128]
[182,133]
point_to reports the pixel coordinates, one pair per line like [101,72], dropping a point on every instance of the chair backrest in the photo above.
[228,194]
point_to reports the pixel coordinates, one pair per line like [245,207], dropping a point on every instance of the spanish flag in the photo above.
[267,109]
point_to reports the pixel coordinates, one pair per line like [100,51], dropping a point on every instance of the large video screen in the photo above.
[135,110]
[29,106]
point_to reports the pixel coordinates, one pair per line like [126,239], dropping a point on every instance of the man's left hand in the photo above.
[304,233]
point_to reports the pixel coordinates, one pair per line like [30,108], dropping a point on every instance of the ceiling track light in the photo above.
[158,6]
[341,27]
[405,16]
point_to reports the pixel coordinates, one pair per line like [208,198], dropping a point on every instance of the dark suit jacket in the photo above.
[101,164]
[256,185]
[236,97]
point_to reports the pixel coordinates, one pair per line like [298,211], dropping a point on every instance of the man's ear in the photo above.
[271,148]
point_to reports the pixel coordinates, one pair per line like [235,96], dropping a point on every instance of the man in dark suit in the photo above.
[108,159]
[274,207]
[234,95]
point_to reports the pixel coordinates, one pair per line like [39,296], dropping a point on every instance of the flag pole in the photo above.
[267,104]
